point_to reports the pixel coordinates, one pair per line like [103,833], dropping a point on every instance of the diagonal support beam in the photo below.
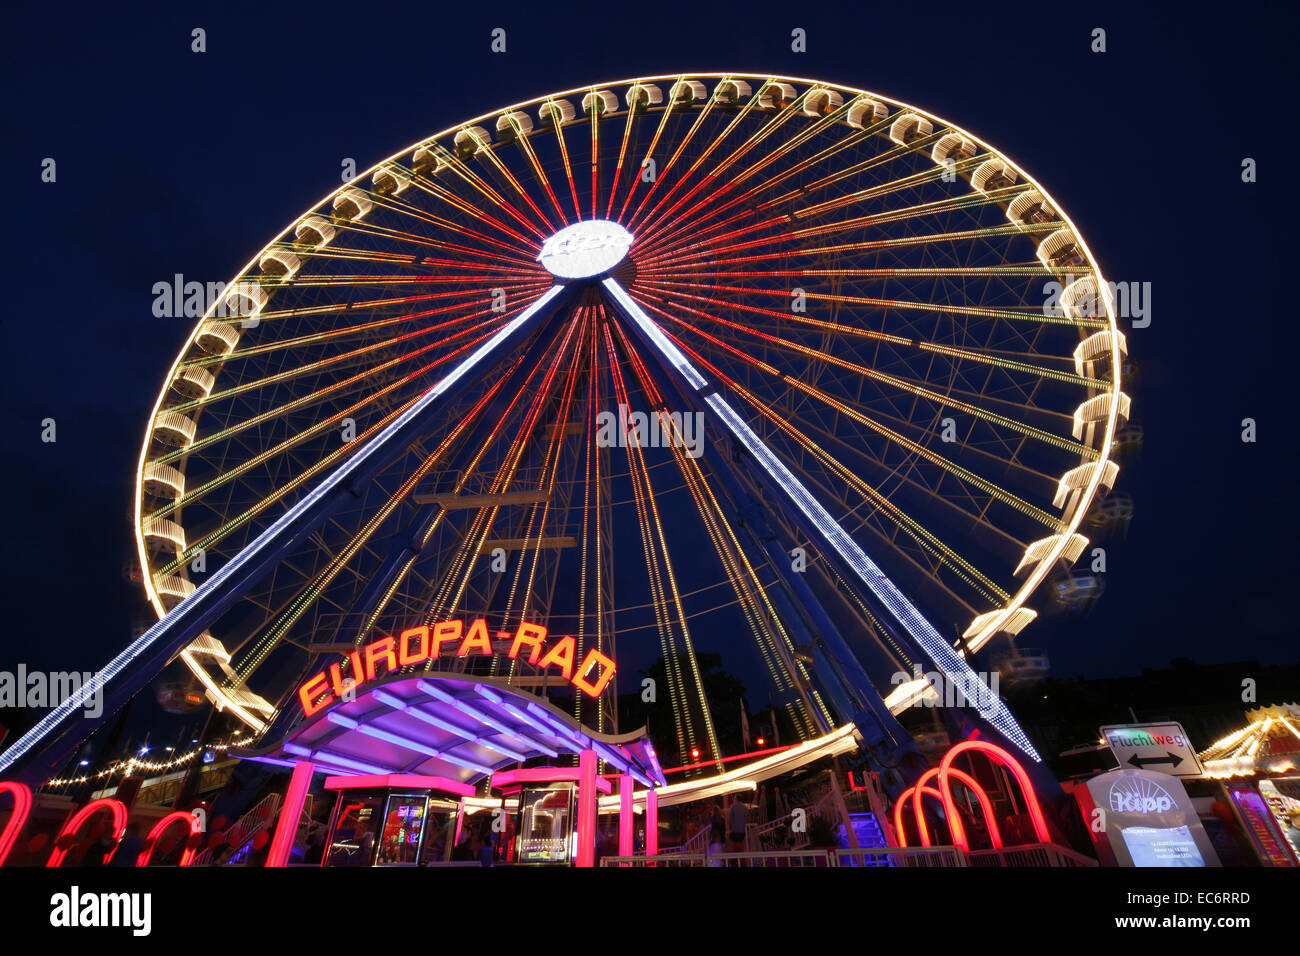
[42,750]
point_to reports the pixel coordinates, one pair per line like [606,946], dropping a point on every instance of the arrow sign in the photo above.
[1141,762]
[1164,746]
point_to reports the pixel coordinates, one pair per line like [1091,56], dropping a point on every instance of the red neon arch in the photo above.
[22,806]
[1001,756]
[986,806]
[954,822]
[152,840]
[116,807]
[899,804]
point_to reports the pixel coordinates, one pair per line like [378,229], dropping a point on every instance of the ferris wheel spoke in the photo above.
[764,621]
[950,399]
[1002,358]
[850,476]
[483,331]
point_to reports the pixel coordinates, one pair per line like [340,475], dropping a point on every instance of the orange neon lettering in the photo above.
[311,690]
[477,639]
[405,656]
[336,674]
[444,632]
[385,648]
[593,658]
[531,634]
[561,654]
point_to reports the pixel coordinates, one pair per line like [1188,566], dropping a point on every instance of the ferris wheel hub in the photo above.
[585,249]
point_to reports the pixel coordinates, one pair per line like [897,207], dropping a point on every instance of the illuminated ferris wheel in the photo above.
[750,365]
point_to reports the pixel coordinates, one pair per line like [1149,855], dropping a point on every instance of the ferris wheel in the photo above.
[755,365]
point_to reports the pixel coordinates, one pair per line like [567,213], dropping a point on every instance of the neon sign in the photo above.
[420,644]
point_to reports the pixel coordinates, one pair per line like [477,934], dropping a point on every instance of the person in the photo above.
[737,818]
[717,828]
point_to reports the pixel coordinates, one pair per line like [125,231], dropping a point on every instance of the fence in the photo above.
[919,857]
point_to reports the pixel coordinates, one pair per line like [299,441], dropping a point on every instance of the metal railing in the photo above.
[1034,855]
[1030,855]
[661,859]
[774,858]
[911,857]
[260,817]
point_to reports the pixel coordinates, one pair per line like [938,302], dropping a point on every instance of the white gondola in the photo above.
[989,625]
[775,96]
[1060,250]
[426,161]
[1077,479]
[732,93]
[162,481]
[390,181]
[554,113]
[163,535]
[314,232]
[688,93]
[352,204]
[952,147]
[821,102]
[279,264]
[1096,410]
[194,382]
[992,174]
[174,430]
[172,589]
[1042,549]
[642,96]
[908,128]
[1098,348]
[1030,208]
[513,125]
[602,101]
[470,140]
[217,338]
[864,112]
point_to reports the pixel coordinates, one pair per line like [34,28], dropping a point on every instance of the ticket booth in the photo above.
[392,820]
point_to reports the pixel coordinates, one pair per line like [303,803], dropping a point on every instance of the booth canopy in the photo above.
[455,726]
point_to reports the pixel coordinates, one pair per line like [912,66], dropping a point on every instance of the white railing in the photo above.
[911,857]
[698,844]
[774,858]
[1030,855]
[260,817]
[662,859]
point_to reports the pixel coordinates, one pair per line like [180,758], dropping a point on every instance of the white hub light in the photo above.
[585,249]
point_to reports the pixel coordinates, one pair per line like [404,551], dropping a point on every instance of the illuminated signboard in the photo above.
[585,249]
[420,644]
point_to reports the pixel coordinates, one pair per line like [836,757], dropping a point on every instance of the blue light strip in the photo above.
[268,537]
[987,703]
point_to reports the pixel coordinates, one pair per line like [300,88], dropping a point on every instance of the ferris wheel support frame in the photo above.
[44,748]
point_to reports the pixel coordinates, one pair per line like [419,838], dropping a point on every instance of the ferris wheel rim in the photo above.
[995,619]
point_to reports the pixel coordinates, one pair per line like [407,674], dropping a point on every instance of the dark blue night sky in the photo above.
[174,162]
